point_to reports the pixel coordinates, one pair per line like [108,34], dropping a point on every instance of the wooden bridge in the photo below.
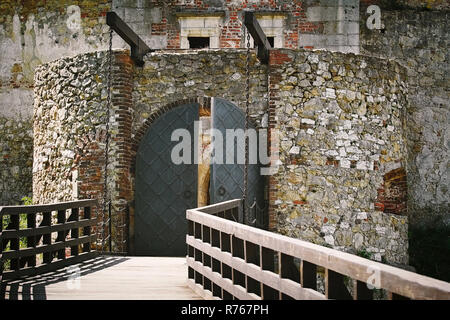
[226,260]
[108,278]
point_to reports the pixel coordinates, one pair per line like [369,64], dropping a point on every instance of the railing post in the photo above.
[15,243]
[62,234]
[235,213]
[241,210]
[31,240]
[238,250]
[47,238]
[75,232]
[87,230]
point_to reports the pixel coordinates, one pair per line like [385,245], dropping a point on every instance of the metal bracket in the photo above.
[138,47]
[258,35]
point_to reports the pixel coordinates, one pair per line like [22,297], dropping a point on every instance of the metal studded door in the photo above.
[164,190]
[227,179]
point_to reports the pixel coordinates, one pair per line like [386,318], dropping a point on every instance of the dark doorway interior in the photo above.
[198,42]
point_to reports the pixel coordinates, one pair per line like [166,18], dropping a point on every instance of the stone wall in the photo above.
[16,159]
[32,33]
[16,142]
[409,4]
[171,76]
[70,110]
[419,40]
[342,147]
[70,116]
[340,117]
[36,32]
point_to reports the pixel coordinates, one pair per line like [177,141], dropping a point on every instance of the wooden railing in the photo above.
[229,260]
[31,249]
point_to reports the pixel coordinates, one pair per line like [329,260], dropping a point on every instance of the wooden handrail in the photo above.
[23,261]
[14,210]
[11,234]
[236,244]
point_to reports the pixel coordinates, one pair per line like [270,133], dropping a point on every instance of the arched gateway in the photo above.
[165,190]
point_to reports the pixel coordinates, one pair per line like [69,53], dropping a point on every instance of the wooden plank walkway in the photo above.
[108,278]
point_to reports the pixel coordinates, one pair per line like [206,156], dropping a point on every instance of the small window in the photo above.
[198,42]
[271,41]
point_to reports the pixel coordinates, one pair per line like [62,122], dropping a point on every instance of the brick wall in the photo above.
[159,25]
[122,194]
[392,196]
[277,59]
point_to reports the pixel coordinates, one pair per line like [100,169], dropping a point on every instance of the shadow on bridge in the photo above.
[34,287]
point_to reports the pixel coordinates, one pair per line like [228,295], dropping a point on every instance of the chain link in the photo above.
[247,116]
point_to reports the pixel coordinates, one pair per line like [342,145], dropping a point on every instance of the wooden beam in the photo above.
[138,47]
[31,240]
[253,27]
[224,283]
[47,248]
[39,231]
[14,210]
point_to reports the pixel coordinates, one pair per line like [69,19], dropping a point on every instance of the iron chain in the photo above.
[247,116]
[106,197]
